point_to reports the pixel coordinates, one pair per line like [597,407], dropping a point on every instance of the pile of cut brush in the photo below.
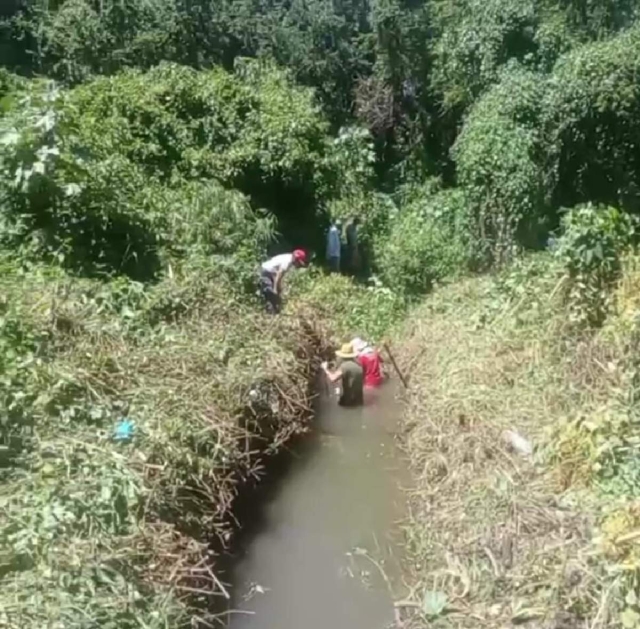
[520,431]
[107,529]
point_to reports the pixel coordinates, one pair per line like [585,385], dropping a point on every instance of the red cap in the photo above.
[299,255]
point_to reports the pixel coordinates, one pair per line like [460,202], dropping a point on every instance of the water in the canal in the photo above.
[323,549]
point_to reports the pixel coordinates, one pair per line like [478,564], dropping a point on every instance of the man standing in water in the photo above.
[349,373]
[272,273]
[334,246]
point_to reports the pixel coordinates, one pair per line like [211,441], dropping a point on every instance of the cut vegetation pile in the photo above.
[500,535]
[106,533]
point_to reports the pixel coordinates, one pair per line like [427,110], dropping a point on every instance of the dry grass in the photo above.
[506,537]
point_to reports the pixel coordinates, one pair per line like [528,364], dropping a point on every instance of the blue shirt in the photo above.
[333,243]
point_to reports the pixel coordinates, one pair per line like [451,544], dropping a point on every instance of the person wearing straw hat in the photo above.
[349,373]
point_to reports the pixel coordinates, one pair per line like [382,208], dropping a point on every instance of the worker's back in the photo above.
[352,383]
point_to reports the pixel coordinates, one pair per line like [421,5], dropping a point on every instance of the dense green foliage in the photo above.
[497,158]
[427,243]
[591,250]
[106,174]
[593,124]
[409,72]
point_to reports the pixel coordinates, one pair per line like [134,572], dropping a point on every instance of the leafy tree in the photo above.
[474,38]
[501,165]
[592,123]
[254,131]
[90,170]
[324,44]
[59,204]
[599,18]
[399,90]
[327,45]
[591,249]
[74,39]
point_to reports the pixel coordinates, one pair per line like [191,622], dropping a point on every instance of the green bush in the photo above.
[349,165]
[592,121]
[107,177]
[428,242]
[255,131]
[417,191]
[174,119]
[591,249]
[554,37]
[75,39]
[204,220]
[326,46]
[499,163]
[349,309]
[60,204]
[597,20]
[11,87]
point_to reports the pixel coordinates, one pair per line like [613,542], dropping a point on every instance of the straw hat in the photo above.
[346,351]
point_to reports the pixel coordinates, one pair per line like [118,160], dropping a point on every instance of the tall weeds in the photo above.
[546,539]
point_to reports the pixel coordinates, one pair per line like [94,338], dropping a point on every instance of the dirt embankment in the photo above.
[509,524]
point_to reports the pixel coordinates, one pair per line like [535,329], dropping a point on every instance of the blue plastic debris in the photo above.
[124,430]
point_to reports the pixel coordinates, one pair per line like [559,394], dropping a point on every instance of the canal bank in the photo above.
[521,433]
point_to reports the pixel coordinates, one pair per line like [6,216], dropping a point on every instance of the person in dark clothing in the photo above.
[353,247]
[350,374]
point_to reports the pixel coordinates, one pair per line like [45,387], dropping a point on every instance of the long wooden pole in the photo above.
[395,365]
[325,381]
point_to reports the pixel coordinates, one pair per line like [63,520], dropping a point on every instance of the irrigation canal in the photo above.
[320,545]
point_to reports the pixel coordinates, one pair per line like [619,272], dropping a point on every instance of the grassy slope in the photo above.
[511,538]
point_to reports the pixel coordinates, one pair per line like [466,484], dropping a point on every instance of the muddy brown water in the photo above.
[321,544]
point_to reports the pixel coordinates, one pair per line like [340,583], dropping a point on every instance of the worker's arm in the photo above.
[332,376]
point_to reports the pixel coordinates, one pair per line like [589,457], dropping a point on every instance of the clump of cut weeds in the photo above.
[101,531]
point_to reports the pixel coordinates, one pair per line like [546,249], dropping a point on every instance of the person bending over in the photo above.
[272,273]
[370,360]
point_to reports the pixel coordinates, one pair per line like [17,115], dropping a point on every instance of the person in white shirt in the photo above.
[334,246]
[271,274]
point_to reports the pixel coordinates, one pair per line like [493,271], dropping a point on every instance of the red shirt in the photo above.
[371,364]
